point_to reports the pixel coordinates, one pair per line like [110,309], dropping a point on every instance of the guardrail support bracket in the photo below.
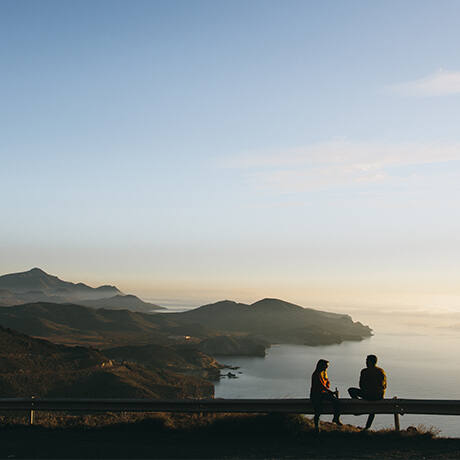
[396,415]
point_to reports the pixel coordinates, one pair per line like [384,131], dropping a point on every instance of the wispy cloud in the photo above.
[440,83]
[336,164]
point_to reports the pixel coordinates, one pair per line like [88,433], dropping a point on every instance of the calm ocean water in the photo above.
[417,366]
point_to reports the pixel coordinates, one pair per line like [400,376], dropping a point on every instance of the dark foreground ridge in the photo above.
[224,436]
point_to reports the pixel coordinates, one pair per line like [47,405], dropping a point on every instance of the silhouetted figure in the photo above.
[372,385]
[320,391]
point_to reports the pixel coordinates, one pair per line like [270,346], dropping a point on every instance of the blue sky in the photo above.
[208,149]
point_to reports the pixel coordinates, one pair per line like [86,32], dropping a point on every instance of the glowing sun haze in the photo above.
[194,151]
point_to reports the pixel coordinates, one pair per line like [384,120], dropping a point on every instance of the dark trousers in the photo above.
[357,393]
[317,401]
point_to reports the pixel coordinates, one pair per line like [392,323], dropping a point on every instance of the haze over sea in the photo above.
[419,352]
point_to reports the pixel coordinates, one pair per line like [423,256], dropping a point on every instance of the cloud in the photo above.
[328,165]
[440,83]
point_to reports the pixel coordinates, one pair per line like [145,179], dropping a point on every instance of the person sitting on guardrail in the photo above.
[320,391]
[372,385]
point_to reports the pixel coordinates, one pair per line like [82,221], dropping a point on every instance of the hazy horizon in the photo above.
[387,318]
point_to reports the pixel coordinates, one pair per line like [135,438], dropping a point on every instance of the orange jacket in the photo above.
[319,383]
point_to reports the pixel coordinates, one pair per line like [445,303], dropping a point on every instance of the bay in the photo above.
[417,365]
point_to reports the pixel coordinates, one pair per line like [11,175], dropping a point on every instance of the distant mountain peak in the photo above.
[37,270]
[269,299]
[41,272]
[222,304]
[37,285]
[275,304]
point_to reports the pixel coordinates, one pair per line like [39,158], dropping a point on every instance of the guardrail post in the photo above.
[32,412]
[396,414]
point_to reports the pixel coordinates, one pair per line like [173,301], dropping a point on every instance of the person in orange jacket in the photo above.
[372,385]
[320,391]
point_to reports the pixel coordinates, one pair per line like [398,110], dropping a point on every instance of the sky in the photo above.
[194,151]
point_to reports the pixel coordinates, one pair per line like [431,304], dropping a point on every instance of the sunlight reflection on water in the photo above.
[417,366]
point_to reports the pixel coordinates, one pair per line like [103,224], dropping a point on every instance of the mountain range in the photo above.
[36,285]
[145,355]
[139,354]
[105,317]
[71,324]
[267,321]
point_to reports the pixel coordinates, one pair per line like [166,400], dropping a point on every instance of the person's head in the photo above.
[322,364]
[371,361]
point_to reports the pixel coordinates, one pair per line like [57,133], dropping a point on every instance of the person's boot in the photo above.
[367,427]
[337,421]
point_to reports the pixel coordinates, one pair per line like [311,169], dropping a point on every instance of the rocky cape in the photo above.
[276,321]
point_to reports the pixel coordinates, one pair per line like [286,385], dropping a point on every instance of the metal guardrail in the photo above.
[393,406]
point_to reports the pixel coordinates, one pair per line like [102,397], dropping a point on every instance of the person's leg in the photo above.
[336,406]
[355,393]
[317,407]
[316,422]
[336,418]
[370,419]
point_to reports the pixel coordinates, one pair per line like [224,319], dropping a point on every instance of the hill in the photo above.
[265,322]
[75,324]
[277,321]
[38,286]
[37,282]
[122,302]
[30,366]
[178,358]
[224,345]
[269,320]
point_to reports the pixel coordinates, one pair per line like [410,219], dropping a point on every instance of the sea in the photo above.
[419,351]
[417,366]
